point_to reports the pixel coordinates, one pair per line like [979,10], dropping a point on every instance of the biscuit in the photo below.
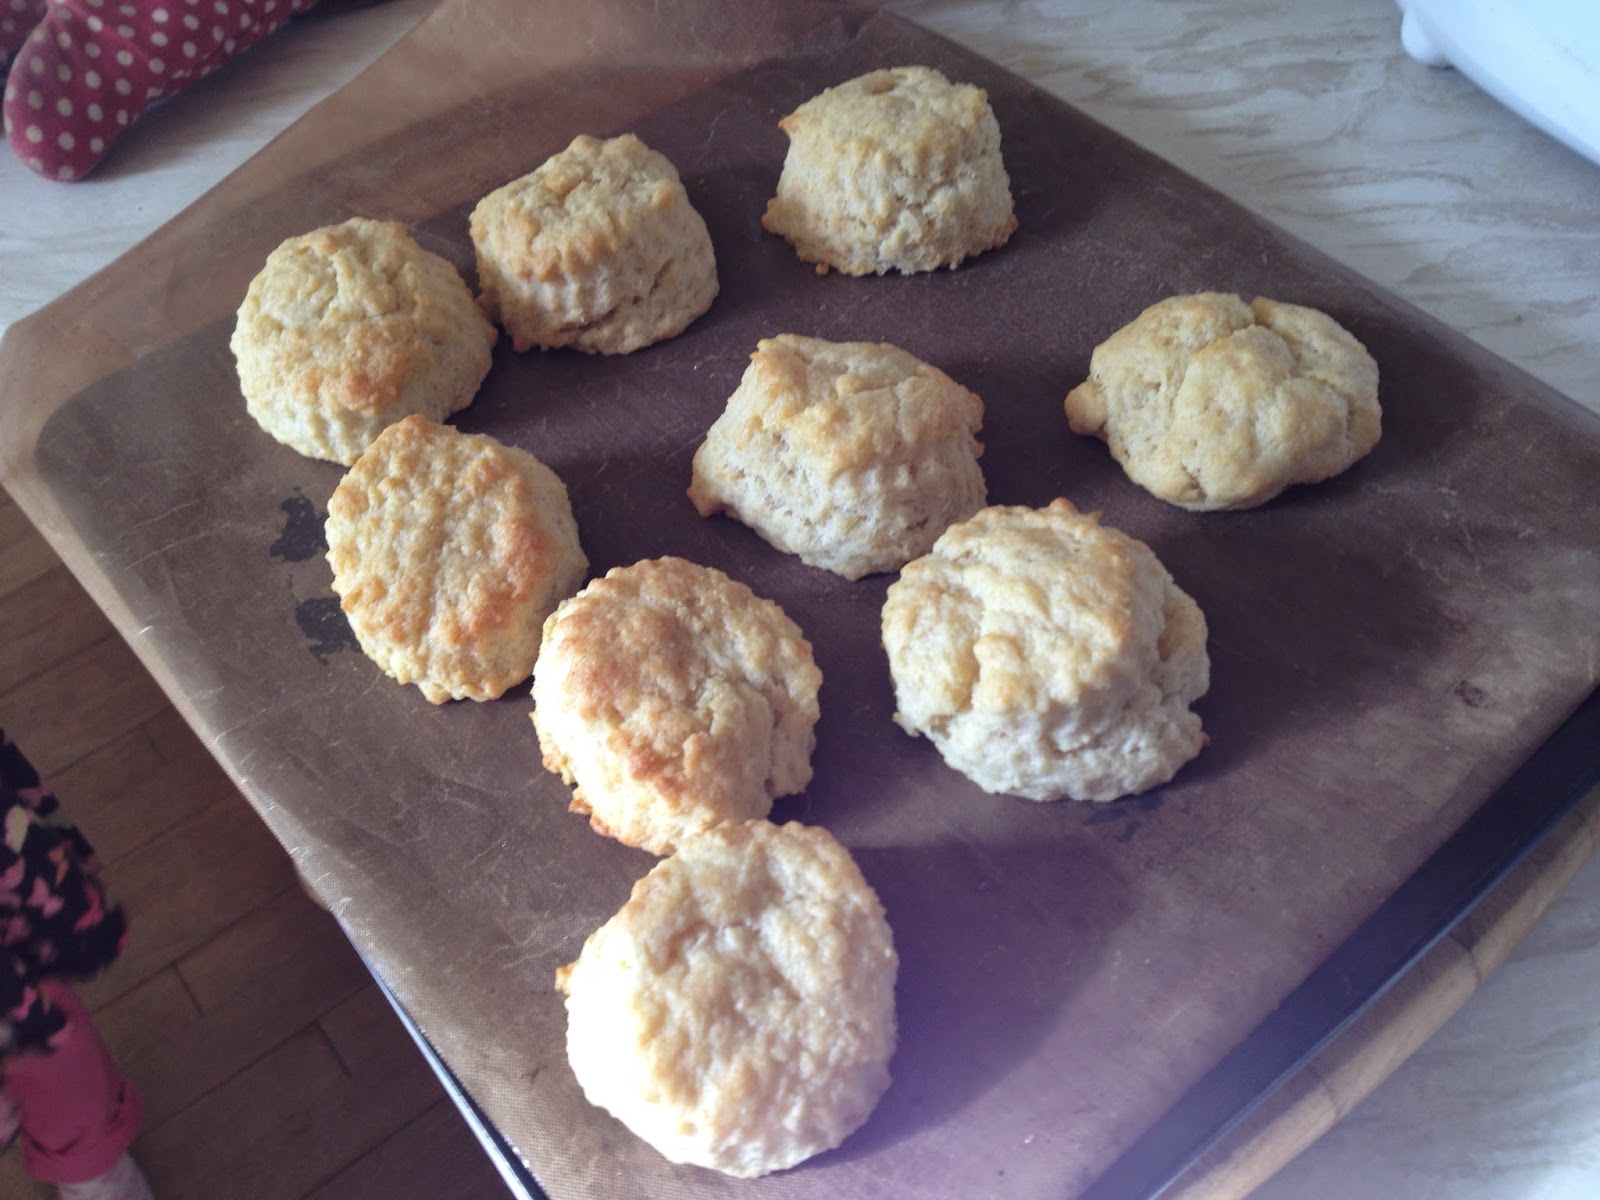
[897,170]
[674,698]
[852,455]
[598,248]
[349,328]
[737,1012]
[448,552]
[1047,656]
[1211,403]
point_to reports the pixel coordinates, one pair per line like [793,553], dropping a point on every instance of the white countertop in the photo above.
[1308,113]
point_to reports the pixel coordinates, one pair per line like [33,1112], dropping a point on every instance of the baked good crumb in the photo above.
[1211,403]
[855,456]
[737,1013]
[598,248]
[674,698]
[448,551]
[349,328]
[896,170]
[1047,656]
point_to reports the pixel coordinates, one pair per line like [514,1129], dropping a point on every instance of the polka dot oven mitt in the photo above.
[81,71]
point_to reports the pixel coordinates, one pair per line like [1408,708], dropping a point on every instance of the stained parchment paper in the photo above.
[1386,647]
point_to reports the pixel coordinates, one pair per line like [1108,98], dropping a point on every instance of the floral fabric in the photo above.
[55,919]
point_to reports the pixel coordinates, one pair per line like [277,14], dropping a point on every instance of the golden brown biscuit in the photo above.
[853,455]
[674,698]
[897,170]
[1047,656]
[347,329]
[1210,403]
[448,552]
[598,248]
[737,1013]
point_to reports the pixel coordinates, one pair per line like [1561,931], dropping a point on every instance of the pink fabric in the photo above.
[79,1115]
[89,67]
[17,19]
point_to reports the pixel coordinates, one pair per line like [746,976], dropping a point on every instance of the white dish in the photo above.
[1540,58]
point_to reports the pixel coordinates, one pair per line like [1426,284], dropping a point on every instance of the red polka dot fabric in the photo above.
[81,71]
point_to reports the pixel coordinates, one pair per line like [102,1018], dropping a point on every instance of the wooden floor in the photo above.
[270,1065]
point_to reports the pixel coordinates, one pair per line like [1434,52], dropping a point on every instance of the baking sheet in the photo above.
[1386,648]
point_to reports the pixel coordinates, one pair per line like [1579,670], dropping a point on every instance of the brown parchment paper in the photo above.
[1386,647]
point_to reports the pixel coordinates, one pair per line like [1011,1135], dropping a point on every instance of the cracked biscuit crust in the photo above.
[448,551]
[1047,656]
[852,455]
[738,1012]
[349,328]
[1212,403]
[674,698]
[897,170]
[598,248]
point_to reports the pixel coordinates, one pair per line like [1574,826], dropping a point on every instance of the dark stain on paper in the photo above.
[1124,814]
[303,536]
[323,622]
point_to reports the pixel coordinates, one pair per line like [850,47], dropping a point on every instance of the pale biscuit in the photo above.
[674,698]
[448,552]
[1211,403]
[1047,656]
[349,328]
[854,456]
[897,170]
[598,248]
[737,1013]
